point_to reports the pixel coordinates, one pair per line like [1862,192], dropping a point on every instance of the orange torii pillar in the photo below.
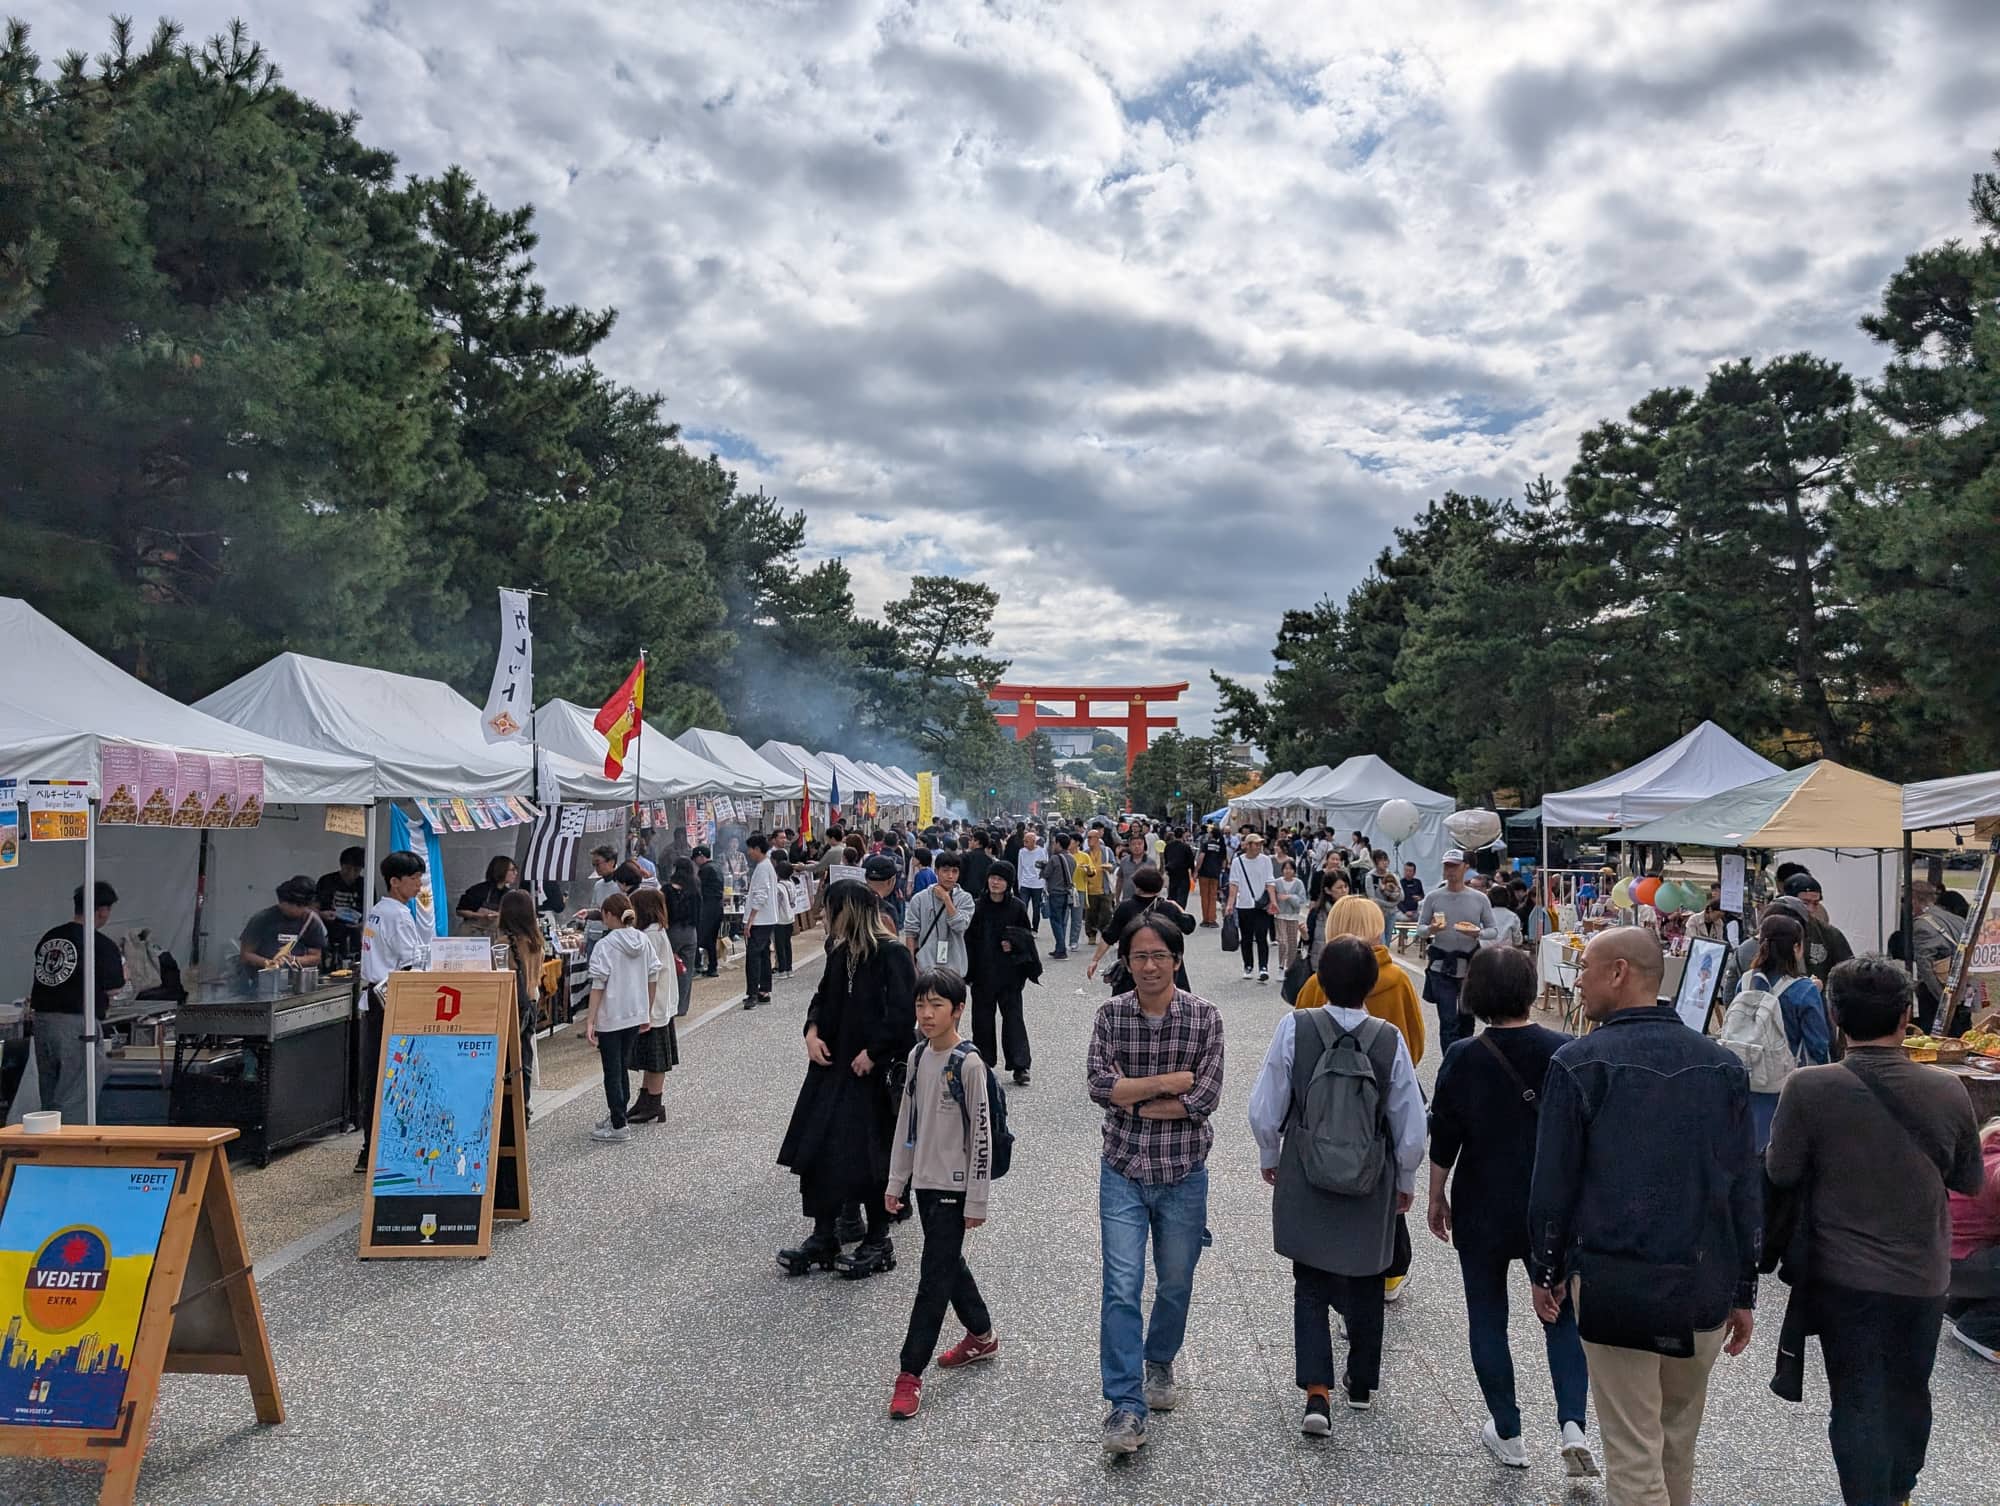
[1135,702]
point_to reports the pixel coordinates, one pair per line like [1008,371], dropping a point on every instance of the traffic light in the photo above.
[992,791]
[1177,794]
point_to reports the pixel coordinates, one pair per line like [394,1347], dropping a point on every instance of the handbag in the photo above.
[1232,935]
[1629,1302]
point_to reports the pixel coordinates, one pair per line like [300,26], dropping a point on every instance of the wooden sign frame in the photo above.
[436,1032]
[200,1314]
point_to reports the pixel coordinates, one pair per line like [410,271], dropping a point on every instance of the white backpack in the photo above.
[1754,1028]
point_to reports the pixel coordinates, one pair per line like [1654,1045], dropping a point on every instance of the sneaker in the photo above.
[1124,1433]
[1577,1458]
[602,1124]
[1511,1452]
[1982,1350]
[908,1395]
[1162,1395]
[361,1162]
[1021,1078]
[1263,975]
[1248,974]
[1359,1399]
[612,1134]
[1318,1421]
[1393,1287]
[969,1351]
[749,1001]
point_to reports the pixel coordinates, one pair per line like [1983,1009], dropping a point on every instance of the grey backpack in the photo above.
[1342,1124]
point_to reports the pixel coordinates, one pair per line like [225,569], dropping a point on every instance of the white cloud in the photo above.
[1160,319]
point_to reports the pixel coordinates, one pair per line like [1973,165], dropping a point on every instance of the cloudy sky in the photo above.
[1160,316]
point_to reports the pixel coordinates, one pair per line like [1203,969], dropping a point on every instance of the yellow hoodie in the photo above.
[1393,998]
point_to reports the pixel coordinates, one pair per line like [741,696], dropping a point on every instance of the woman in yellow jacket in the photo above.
[1394,997]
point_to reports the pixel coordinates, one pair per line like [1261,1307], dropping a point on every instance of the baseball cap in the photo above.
[1802,883]
[880,866]
[1453,855]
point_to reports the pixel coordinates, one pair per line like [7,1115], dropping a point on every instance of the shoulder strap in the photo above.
[1899,1112]
[1528,1095]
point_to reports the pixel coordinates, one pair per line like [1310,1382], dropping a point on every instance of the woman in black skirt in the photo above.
[657,1051]
[860,1024]
[683,891]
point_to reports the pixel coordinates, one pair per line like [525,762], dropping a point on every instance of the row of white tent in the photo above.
[326,734]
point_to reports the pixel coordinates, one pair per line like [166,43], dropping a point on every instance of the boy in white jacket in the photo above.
[624,976]
[947,1151]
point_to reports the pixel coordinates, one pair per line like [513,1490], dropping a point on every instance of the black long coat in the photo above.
[709,878]
[842,1126]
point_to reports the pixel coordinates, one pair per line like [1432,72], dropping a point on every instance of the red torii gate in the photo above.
[1135,702]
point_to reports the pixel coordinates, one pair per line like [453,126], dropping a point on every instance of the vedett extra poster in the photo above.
[431,1169]
[77,1245]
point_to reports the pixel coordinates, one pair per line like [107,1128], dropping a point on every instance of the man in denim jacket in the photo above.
[1647,1197]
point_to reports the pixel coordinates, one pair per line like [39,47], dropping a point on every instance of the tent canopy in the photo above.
[1708,761]
[806,769]
[906,779]
[421,736]
[60,703]
[1973,798]
[854,780]
[1366,780]
[666,769]
[887,786]
[753,775]
[1823,805]
[1530,817]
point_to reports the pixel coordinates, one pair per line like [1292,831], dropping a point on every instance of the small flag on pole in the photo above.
[619,719]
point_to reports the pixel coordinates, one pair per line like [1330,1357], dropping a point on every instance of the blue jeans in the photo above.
[1059,920]
[1485,1280]
[1076,908]
[1032,898]
[1175,1216]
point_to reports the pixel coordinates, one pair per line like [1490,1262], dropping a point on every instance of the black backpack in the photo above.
[996,1098]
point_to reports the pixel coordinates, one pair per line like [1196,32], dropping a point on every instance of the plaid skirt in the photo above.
[657,1050]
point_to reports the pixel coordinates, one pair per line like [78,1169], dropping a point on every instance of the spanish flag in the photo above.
[805,809]
[620,718]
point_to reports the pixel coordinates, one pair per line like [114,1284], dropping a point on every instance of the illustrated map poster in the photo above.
[436,1136]
[77,1246]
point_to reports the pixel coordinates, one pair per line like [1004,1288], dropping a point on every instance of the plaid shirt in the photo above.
[1126,1042]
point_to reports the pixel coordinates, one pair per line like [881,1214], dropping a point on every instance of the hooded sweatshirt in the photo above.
[623,964]
[992,970]
[1393,998]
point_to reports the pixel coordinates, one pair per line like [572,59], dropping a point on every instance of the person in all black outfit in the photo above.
[861,1022]
[1178,860]
[1484,1112]
[995,960]
[709,877]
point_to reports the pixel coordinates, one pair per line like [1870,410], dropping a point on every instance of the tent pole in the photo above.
[93,1024]
[370,857]
[1905,919]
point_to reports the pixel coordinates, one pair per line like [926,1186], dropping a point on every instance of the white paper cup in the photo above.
[41,1122]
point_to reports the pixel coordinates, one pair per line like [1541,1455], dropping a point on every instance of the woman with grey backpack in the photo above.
[1339,1123]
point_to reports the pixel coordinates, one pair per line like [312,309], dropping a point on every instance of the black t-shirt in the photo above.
[1214,853]
[1479,1122]
[267,925]
[58,985]
[1178,857]
[334,892]
[482,896]
[972,870]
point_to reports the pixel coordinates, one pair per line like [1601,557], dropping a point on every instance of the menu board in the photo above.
[191,784]
[249,792]
[348,820]
[120,773]
[221,792]
[58,810]
[159,773]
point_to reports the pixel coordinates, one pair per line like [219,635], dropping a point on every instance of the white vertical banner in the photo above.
[510,703]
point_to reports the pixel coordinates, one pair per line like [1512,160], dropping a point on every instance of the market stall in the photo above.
[1348,798]
[660,768]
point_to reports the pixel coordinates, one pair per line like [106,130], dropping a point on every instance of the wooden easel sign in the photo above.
[450,1077]
[122,1255]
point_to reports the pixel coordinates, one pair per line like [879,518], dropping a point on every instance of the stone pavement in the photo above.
[636,1344]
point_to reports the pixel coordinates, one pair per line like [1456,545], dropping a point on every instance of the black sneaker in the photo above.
[1021,1077]
[1318,1421]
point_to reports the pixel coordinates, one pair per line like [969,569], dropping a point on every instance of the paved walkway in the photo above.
[636,1344]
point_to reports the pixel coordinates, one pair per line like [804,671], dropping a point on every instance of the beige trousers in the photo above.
[1648,1413]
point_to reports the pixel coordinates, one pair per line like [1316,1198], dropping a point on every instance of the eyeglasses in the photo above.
[1149,959]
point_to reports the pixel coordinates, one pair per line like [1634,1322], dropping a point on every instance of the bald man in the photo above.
[1646,1209]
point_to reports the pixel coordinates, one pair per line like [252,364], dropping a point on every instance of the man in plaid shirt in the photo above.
[1156,1067]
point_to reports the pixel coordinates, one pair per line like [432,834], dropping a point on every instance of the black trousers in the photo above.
[757,961]
[371,1069]
[1013,1027]
[1254,928]
[1177,888]
[781,943]
[943,1280]
[614,1051]
[710,933]
[1358,1300]
[1879,1349]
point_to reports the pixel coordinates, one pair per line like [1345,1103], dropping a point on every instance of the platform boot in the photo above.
[817,1249]
[868,1259]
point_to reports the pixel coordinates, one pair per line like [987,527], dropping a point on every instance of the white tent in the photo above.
[1964,799]
[1705,762]
[754,776]
[1348,799]
[422,736]
[854,780]
[665,769]
[803,767]
[907,780]
[1274,793]
[888,788]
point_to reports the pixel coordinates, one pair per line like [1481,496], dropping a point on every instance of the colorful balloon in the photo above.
[1645,890]
[1397,820]
[1621,894]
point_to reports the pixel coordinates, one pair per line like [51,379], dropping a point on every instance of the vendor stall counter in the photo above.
[274,1067]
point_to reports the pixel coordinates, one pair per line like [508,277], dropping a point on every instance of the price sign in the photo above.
[58,810]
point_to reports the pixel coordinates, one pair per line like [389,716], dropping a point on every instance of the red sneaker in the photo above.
[969,1350]
[909,1395]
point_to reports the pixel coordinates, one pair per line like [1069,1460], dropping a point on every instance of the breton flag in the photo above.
[833,801]
[805,809]
[620,717]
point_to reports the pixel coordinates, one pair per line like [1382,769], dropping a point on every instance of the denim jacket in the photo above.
[1645,1151]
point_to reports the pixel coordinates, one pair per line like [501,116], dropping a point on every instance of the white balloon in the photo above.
[1473,828]
[1397,820]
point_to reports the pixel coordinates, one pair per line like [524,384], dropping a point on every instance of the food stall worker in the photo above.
[479,906]
[57,1000]
[338,897]
[258,947]
[391,942]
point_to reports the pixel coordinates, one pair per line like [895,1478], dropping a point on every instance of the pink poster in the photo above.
[221,792]
[119,773]
[249,791]
[158,781]
[191,780]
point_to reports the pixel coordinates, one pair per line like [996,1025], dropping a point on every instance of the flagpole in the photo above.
[639,729]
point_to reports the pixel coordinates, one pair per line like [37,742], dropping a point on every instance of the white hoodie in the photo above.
[623,964]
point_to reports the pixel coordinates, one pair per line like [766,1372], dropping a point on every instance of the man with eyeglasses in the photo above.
[1155,1066]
